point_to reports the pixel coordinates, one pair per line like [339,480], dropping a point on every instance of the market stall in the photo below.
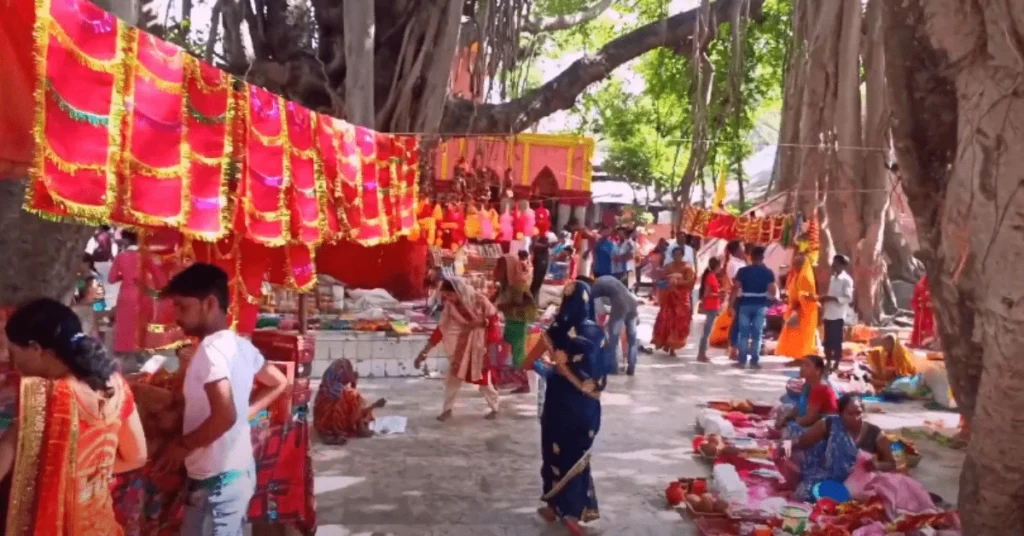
[124,129]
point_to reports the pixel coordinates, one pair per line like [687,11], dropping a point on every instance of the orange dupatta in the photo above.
[41,495]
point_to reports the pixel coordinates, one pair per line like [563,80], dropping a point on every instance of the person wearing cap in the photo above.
[836,305]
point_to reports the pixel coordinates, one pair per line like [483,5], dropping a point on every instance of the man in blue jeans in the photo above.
[216,448]
[624,315]
[755,284]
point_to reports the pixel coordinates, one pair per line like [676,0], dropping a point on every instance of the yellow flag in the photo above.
[719,192]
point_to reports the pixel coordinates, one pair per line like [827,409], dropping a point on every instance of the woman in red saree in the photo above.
[672,327]
[77,426]
[463,330]
[340,412]
[924,316]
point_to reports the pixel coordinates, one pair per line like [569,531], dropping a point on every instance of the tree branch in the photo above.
[560,93]
[564,22]
[211,41]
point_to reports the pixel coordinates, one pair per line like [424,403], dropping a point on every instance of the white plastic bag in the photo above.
[727,484]
[712,422]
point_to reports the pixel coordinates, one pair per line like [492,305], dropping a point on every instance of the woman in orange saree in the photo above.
[340,412]
[672,327]
[77,425]
[799,335]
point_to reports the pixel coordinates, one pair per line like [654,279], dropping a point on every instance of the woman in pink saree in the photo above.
[467,318]
[132,305]
[144,321]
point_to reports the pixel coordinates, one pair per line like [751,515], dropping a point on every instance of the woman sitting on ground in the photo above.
[889,360]
[831,446]
[817,399]
[340,413]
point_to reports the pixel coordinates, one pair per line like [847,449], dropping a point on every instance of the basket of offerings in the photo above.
[904,451]
[706,505]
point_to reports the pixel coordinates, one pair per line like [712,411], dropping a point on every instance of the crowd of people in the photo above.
[76,399]
[580,348]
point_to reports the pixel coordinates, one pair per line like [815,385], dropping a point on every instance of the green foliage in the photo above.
[764,58]
[179,33]
[644,126]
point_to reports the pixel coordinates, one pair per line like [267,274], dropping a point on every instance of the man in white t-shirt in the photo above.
[216,448]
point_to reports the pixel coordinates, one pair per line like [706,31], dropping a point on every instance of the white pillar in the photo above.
[562,214]
[580,213]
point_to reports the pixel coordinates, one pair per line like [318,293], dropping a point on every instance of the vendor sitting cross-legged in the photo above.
[832,444]
[889,360]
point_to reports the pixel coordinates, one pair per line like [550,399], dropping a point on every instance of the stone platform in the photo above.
[376,354]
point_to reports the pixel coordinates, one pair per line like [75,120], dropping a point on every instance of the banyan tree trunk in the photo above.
[39,256]
[955,72]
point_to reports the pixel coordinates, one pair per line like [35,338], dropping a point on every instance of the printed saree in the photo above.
[832,458]
[672,327]
[571,419]
[64,464]
[340,412]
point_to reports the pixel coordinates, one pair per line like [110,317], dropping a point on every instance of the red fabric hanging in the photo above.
[400,267]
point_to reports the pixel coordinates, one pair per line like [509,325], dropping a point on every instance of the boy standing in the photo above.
[836,306]
[216,448]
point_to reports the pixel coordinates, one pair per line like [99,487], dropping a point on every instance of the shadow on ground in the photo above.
[471,477]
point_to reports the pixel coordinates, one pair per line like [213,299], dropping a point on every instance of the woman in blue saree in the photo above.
[831,445]
[571,415]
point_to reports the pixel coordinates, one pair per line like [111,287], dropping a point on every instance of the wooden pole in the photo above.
[302,314]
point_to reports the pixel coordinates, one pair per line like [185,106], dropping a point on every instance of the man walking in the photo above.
[604,251]
[624,315]
[754,285]
[836,307]
[216,447]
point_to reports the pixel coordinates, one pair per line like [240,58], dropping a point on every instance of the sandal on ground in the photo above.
[444,416]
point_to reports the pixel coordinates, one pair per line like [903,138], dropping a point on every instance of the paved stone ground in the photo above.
[471,477]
